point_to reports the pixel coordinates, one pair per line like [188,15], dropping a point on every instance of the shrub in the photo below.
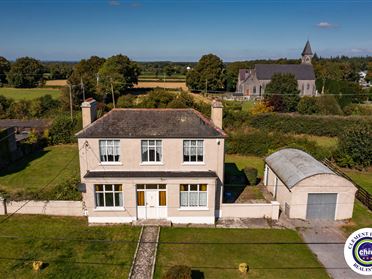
[63,129]
[355,145]
[178,272]
[251,174]
[308,105]
[358,109]
[328,105]
[261,107]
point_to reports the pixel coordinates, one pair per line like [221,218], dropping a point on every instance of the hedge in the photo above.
[306,124]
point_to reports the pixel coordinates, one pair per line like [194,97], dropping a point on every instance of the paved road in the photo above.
[330,255]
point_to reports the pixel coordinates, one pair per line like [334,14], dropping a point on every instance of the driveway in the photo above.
[330,255]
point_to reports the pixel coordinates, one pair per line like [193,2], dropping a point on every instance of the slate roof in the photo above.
[293,165]
[300,71]
[137,174]
[152,123]
[307,49]
[33,123]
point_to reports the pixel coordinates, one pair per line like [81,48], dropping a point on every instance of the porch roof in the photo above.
[149,174]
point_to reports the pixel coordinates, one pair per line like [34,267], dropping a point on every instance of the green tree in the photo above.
[208,74]
[308,105]
[20,109]
[4,106]
[119,72]
[26,72]
[282,93]
[232,72]
[4,68]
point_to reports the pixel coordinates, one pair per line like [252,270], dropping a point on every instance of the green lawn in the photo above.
[220,260]
[322,141]
[35,170]
[65,259]
[364,179]
[362,218]
[242,161]
[28,94]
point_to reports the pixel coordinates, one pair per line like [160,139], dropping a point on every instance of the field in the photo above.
[322,141]
[168,84]
[364,179]
[35,170]
[63,245]
[28,94]
[220,260]
[56,82]
[244,161]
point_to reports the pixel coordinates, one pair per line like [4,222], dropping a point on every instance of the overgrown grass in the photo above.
[28,94]
[65,258]
[246,161]
[247,105]
[321,141]
[362,218]
[220,260]
[37,169]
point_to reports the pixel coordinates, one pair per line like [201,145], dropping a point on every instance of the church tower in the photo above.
[307,54]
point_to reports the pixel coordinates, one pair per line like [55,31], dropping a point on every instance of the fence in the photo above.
[57,208]
[250,210]
[362,194]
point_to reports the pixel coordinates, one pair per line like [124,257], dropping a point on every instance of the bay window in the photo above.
[108,195]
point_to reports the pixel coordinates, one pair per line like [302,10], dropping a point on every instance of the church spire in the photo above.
[307,53]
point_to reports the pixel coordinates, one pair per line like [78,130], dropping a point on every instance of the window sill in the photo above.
[109,209]
[193,164]
[152,164]
[193,208]
[111,164]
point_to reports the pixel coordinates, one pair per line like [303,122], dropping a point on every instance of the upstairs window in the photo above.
[151,151]
[193,151]
[109,150]
[109,195]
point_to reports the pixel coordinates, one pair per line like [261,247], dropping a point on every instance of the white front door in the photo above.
[152,204]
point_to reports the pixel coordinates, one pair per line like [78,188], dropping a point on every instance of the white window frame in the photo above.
[113,146]
[189,147]
[191,207]
[104,192]
[148,162]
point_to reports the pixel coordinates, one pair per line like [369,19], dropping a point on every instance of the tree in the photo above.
[208,74]
[4,106]
[4,68]
[282,93]
[308,105]
[119,72]
[232,72]
[26,72]
[86,71]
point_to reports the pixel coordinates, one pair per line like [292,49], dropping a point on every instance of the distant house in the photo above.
[152,164]
[252,82]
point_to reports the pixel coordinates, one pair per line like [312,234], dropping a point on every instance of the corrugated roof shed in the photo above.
[293,165]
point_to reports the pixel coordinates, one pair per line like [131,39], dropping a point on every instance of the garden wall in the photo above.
[250,210]
[57,208]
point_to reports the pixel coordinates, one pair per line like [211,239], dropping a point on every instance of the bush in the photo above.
[358,109]
[355,146]
[308,105]
[261,107]
[178,272]
[302,124]
[63,129]
[328,105]
[251,174]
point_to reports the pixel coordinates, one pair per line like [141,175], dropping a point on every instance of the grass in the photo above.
[220,260]
[362,218]
[321,141]
[28,94]
[364,179]
[247,105]
[65,259]
[244,161]
[37,169]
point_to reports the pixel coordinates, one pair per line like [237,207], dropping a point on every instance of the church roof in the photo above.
[307,49]
[300,71]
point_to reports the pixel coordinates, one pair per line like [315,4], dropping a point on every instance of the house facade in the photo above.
[152,164]
[252,82]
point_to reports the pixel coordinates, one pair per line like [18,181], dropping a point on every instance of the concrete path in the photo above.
[330,255]
[144,261]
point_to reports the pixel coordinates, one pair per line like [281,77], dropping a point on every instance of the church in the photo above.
[252,82]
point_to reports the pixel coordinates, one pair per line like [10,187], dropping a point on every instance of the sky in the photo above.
[183,30]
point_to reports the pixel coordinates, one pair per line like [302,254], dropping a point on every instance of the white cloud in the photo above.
[325,25]
[361,50]
[114,3]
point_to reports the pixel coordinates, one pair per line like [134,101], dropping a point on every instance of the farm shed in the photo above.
[307,189]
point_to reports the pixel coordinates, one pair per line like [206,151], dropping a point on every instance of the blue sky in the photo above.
[183,30]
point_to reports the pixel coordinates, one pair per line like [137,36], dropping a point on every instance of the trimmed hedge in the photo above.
[306,124]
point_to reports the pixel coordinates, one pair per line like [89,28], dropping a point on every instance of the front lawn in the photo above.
[65,258]
[28,94]
[221,260]
[37,169]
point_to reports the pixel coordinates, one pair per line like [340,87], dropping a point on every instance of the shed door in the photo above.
[321,206]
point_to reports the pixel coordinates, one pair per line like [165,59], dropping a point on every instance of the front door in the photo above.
[152,204]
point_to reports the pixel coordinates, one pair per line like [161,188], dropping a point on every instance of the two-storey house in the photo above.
[152,164]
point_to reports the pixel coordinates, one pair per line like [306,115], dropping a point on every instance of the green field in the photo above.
[35,170]
[364,179]
[220,260]
[65,258]
[28,94]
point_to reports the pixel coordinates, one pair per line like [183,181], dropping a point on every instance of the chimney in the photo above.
[217,113]
[89,111]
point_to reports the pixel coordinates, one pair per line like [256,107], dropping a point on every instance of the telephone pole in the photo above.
[70,91]
[112,92]
[82,88]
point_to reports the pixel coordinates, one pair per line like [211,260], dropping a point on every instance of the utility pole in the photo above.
[82,88]
[112,92]
[70,90]
[164,81]
[206,87]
